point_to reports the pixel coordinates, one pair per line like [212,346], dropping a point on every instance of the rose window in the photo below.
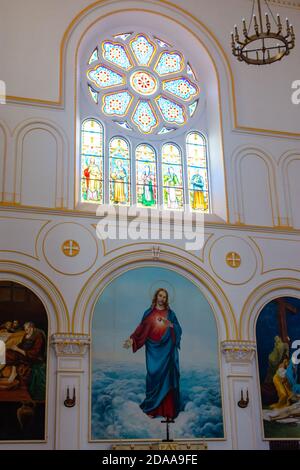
[142,84]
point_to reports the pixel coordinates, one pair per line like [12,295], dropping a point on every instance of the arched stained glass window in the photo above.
[172,176]
[146,180]
[150,101]
[119,172]
[197,172]
[92,161]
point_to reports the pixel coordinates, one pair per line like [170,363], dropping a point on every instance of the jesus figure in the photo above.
[160,332]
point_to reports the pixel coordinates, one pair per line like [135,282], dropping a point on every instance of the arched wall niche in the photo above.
[255,163]
[43,288]
[38,143]
[39,429]
[208,62]
[259,298]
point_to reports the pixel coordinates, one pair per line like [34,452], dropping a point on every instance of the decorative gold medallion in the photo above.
[70,248]
[233,259]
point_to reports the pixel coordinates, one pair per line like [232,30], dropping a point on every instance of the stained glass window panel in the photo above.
[116,54]
[197,172]
[193,107]
[144,117]
[103,77]
[123,36]
[143,49]
[119,172]
[94,57]
[190,71]
[169,62]
[146,180]
[92,162]
[172,175]
[171,112]
[181,88]
[117,104]
[93,94]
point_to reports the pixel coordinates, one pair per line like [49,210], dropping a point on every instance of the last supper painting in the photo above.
[155,360]
[23,365]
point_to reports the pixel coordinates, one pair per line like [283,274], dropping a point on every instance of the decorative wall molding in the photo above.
[68,344]
[238,351]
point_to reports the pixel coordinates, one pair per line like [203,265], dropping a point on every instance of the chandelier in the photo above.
[261,45]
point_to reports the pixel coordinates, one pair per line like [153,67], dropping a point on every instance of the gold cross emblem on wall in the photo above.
[70,248]
[233,259]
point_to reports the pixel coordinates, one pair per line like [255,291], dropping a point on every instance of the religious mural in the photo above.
[154,360]
[277,331]
[23,341]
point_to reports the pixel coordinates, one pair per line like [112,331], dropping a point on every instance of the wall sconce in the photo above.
[70,402]
[243,403]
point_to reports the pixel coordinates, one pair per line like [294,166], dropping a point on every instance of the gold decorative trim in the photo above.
[279,229]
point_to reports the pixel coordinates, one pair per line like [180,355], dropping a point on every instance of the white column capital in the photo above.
[69,344]
[238,351]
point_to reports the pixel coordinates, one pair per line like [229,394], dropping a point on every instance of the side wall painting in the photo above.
[277,330]
[154,358]
[23,340]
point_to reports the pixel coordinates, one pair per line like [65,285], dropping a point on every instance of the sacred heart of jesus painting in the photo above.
[155,357]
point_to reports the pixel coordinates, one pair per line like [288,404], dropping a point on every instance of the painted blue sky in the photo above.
[121,306]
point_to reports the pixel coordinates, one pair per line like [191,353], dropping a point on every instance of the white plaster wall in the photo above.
[34,49]
[38,169]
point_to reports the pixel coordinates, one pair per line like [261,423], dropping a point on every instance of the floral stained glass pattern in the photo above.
[117,104]
[146,182]
[143,49]
[144,117]
[161,78]
[92,162]
[119,172]
[171,112]
[116,54]
[169,62]
[181,87]
[143,82]
[197,172]
[172,177]
[103,77]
